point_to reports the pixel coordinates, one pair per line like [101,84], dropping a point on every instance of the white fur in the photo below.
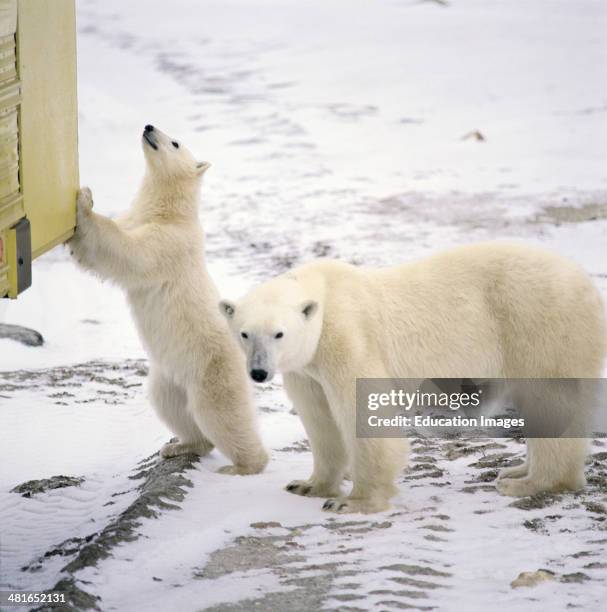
[490,310]
[155,252]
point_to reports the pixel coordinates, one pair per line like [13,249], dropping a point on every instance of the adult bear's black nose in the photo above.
[149,128]
[259,375]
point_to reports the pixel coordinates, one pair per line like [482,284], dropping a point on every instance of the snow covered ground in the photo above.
[334,128]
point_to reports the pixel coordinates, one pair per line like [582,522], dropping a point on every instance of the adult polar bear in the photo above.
[198,381]
[489,310]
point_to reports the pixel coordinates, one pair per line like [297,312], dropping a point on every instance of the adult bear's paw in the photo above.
[308,488]
[518,471]
[518,487]
[347,505]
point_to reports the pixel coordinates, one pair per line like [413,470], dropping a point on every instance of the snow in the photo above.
[333,128]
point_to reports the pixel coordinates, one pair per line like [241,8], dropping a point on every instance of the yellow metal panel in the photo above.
[8,17]
[46,56]
[11,202]
[4,285]
[8,58]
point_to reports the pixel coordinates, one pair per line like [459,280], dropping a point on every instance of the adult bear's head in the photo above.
[168,160]
[278,326]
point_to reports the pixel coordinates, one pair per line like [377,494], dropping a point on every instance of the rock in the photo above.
[29,337]
[529,579]
[536,525]
[474,135]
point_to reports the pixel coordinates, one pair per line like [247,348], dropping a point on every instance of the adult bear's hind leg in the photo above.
[170,402]
[559,408]
[221,406]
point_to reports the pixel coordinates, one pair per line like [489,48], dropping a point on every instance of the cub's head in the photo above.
[278,327]
[168,158]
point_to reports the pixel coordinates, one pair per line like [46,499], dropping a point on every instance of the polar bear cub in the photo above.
[155,252]
[491,310]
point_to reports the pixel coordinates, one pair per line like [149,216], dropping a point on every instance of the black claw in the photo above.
[341,506]
[328,504]
[291,487]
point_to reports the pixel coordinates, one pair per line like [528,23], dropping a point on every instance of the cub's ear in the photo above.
[309,308]
[227,308]
[202,167]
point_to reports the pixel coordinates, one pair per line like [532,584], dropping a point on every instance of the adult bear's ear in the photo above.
[227,308]
[202,167]
[309,308]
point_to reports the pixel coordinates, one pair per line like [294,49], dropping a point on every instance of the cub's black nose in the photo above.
[259,375]
[149,128]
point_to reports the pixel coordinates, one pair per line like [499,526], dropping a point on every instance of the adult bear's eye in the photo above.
[279,335]
[175,144]
[245,336]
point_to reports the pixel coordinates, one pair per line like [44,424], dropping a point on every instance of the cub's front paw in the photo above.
[309,489]
[347,505]
[84,201]
[84,207]
[173,449]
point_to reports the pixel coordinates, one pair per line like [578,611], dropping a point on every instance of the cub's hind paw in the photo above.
[174,449]
[254,463]
[239,470]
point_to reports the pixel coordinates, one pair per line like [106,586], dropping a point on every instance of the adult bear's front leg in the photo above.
[375,467]
[375,462]
[325,438]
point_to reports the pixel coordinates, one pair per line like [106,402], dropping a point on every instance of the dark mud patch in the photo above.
[301,446]
[591,211]
[415,570]
[123,375]
[497,460]
[487,476]
[576,577]
[76,598]
[306,584]
[463,448]
[536,502]
[35,487]
[595,507]
[163,485]
[275,554]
